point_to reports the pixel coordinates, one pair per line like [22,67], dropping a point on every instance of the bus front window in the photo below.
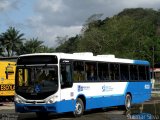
[37,80]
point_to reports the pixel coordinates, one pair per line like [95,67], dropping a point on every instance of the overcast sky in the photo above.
[47,19]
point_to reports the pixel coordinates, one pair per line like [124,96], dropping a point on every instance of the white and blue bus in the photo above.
[60,82]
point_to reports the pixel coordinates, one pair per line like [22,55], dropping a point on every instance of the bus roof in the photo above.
[90,57]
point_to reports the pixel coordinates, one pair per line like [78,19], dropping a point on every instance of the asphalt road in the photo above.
[99,114]
[144,111]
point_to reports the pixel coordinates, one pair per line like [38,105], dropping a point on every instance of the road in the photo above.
[148,110]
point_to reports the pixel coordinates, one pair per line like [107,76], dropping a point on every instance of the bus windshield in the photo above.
[36,81]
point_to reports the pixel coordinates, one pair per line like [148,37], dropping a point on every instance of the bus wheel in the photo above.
[79,108]
[128,102]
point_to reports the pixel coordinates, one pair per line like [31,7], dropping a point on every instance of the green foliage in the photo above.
[11,40]
[45,49]
[133,33]
[69,45]
[32,46]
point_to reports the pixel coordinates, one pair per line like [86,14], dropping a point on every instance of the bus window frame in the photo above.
[66,84]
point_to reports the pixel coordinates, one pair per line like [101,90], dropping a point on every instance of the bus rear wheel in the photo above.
[79,108]
[128,102]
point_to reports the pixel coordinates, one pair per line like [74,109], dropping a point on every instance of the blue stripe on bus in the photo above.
[141,62]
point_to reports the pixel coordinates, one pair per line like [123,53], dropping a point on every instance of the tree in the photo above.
[1,48]
[46,49]
[93,20]
[68,46]
[32,46]
[11,40]
[93,41]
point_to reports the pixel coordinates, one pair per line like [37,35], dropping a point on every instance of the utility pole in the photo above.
[153,62]
[153,80]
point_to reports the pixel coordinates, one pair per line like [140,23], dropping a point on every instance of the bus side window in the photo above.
[103,72]
[133,72]
[142,73]
[91,71]
[78,71]
[114,71]
[124,68]
[66,76]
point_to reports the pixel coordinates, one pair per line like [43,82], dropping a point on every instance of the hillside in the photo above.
[132,33]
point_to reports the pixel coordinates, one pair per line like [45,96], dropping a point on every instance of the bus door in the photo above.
[67,92]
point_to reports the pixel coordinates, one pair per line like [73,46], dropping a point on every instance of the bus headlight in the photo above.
[18,99]
[51,100]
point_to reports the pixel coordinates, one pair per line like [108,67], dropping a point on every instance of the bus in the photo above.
[7,78]
[79,82]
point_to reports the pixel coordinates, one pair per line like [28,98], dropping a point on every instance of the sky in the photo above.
[49,19]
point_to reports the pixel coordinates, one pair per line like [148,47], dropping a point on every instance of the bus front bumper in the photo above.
[57,107]
[22,108]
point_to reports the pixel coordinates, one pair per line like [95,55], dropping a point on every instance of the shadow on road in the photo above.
[96,114]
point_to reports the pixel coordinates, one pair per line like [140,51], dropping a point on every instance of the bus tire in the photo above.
[79,108]
[128,102]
